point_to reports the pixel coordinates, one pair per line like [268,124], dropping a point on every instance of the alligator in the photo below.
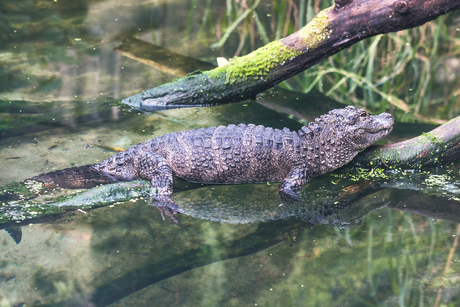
[236,154]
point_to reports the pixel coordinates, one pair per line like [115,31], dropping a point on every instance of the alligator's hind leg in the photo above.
[154,167]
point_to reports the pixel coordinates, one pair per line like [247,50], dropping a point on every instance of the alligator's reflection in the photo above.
[334,199]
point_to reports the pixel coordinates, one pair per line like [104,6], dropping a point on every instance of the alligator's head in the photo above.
[341,134]
[345,132]
[356,128]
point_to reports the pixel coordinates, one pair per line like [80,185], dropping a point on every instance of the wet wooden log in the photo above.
[440,146]
[331,31]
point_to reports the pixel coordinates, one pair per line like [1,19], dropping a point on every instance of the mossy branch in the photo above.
[440,146]
[331,31]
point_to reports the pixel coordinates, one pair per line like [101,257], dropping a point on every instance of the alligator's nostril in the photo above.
[387,115]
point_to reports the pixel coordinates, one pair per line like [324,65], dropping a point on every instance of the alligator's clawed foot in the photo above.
[288,196]
[167,207]
[166,211]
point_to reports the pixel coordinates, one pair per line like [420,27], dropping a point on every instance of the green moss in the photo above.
[316,30]
[257,64]
[432,138]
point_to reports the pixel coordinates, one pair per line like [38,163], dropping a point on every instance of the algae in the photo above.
[359,174]
[434,139]
[22,191]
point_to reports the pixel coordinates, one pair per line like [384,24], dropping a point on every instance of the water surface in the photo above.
[389,239]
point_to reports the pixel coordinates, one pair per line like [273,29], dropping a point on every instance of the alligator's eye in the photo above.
[352,119]
[362,115]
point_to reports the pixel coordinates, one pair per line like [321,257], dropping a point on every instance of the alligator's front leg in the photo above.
[154,167]
[294,181]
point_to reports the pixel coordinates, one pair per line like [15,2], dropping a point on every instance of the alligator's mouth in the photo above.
[380,124]
[385,130]
[374,131]
[378,131]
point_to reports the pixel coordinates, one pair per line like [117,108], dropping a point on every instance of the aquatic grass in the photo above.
[205,23]
[189,27]
[430,267]
[448,264]
[370,272]
[234,24]
[261,28]
[405,73]
[280,8]
[404,262]
[362,81]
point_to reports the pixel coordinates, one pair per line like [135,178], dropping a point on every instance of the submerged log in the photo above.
[165,60]
[331,31]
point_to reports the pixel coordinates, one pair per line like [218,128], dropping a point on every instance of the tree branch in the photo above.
[440,146]
[331,31]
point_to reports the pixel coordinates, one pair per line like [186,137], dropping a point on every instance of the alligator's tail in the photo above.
[87,176]
[80,177]
[75,177]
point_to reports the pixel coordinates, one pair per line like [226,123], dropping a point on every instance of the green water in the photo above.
[354,239]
